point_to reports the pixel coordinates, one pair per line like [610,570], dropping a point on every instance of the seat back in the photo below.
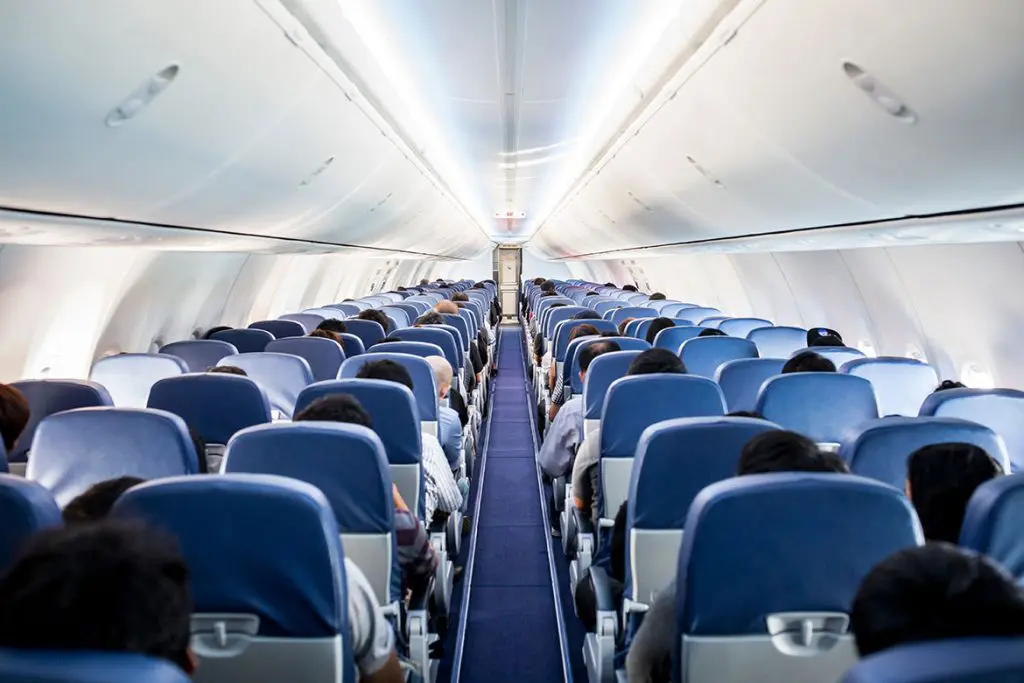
[741,327]
[839,355]
[703,356]
[26,507]
[369,331]
[438,335]
[50,396]
[741,380]
[625,344]
[713,321]
[631,405]
[215,405]
[819,405]
[199,354]
[620,314]
[424,386]
[671,338]
[696,314]
[399,315]
[252,340]
[82,666]
[279,328]
[395,417]
[564,330]
[558,315]
[347,463]
[1000,409]
[456,321]
[675,460]
[267,572]
[421,349]
[603,370]
[281,375]
[128,377]
[992,522]
[901,384]
[764,588]
[348,308]
[673,309]
[308,320]
[78,448]
[324,356]
[778,342]
[351,344]
[879,449]
[604,308]
[970,660]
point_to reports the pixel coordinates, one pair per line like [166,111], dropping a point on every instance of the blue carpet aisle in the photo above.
[512,631]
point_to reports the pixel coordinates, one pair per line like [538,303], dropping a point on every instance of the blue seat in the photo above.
[901,384]
[199,354]
[696,314]
[50,396]
[25,508]
[324,356]
[673,310]
[741,327]
[879,448]
[421,349]
[819,405]
[215,405]
[741,380]
[308,320]
[992,522]
[671,338]
[348,464]
[411,311]
[245,341]
[564,330]
[703,356]
[399,315]
[352,345]
[604,308]
[713,321]
[456,321]
[620,314]
[78,448]
[369,332]
[281,375]
[128,377]
[1000,409]
[348,308]
[267,572]
[839,355]
[558,315]
[970,660]
[778,342]
[604,370]
[625,344]
[424,386]
[54,666]
[439,335]
[768,569]
[280,329]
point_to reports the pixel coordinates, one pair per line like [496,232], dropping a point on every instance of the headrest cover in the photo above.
[603,370]
[280,328]
[741,380]
[703,356]
[128,377]
[778,342]
[281,375]
[246,341]
[324,356]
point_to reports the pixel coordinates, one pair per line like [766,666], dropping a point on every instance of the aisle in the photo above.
[512,631]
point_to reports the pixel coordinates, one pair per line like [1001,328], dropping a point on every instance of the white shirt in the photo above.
[562,438]
[372,637]
[442,491]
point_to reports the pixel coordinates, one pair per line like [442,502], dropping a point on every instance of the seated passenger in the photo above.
[712,332]
[949,384]
[14,414]
[823,336]
[657,326]
[934,592]
[415,554]
[623,325]
[649,657]
[808,361]
[326,334]
[585,485]
[435,318]
[202,460]
[584,596]
[588,314]
[443,492]
[629,288]
[332,325]
[449,428]
[558,392]
[376,316]
[214,330]
[657,296]
[95,503]
[228,370]
[941,479]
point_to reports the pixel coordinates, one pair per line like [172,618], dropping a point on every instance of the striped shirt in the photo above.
[415,554]
[442,492]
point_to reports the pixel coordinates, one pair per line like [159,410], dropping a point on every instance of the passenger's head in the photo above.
[609,284]
[538,280]
[629,288]
[590,294]
[332,325]
[657,325]
[95,503]
[228,370]
[591,351]
[941,480]
[587,315]
[376,316]
[387,370]
[326,334]
[424,282]
[808,361]
[14,414]
[446,307]
[214,330]
[582,331]
[623,325]
[823,336]
[429,318]
[711,332]
[783,451]
[111,586]
[336,408]
[657,296]
[934,592]
[655,361]
[547,286]
[443,374]
[460,296]
[948,384]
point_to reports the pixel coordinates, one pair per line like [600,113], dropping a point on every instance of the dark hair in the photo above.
[332,325]
[942,479]
[745,413]
[538,280]
[582,331]
[587,315]
[460,296]
[949,384]
[114,585]
[424,281]
[557,305]
[782,451]
[623,325]
[629,288]
[657,296]
[934,592]
[547,286]
[430,318]
[14,414]
[326,334]
[376,316]
[808,361]
[591,351]
[387,370]
[548,292]
[200,447]
[228,370]
[214,330]
[712,332]
[834,463]
[828,334]
[654,361]
[609,284]
[95,503]
[827,340]
[657,325]
[336,408]
[590,294]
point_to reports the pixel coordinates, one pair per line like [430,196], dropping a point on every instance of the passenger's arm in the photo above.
[650,655]
[439,476]
[556,451]
[391,672]
[373,641]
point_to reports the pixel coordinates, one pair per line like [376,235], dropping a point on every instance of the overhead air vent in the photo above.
[143,95]
[320,169]
[700,169]
[879,94]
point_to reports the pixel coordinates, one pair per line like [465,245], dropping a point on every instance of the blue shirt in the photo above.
[449,433]
[563,437]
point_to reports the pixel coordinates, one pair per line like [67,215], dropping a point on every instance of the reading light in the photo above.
[879,94]
[143,95]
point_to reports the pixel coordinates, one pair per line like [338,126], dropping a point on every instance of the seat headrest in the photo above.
[741,327]
[421,349]
[968,660]
[741,380]
[215,405]
[247,340]
[369,331]
[128,377]
[839,355]
[54,666]
[603,370]
[634,403]
[280,329]
[671,338]
[696,314]
[78,448]
[199,354]
[819,405]
[25,508]
[620,314]
[778,342]
[444,336]
[324,356]
[564,330]
[308,319]
[902,384]
[992,522]
[49,396]
[1000,409]
[879,449]
[392,409]
[254,544]
[793,542]
[281,375]
[424,387]
[345,461]
[703,356]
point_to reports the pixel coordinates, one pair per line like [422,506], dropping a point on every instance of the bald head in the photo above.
[443,374]
[447,307]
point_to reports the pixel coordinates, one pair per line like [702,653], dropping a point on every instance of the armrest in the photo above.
[603,597]
[419,599]
[584,525]
[436,526]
